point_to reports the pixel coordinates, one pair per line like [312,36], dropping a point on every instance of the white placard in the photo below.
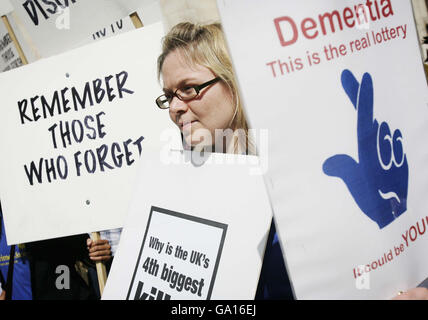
[341,89]
[5,7]
[9,57]
[53,27]
[74,127]
[181,266]
[193,231]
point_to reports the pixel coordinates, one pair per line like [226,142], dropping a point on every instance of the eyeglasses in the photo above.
[185,93]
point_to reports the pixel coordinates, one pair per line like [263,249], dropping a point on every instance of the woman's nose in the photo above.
[177,105]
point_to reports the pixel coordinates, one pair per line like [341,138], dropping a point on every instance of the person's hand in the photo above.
[378,179]
[413,294]
[3,295]
[99,250]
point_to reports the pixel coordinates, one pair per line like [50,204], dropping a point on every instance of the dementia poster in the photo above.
[341,89]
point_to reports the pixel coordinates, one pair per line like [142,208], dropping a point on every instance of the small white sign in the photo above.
[172,262]
[54,27]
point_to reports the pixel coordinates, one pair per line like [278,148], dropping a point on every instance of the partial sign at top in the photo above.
[74,127]
[173,262]
[52,27]
[344,97]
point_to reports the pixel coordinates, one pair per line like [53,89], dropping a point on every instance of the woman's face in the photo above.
[212,109]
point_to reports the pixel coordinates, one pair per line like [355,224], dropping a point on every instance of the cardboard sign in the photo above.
[159,261]
[5,7]
[74,127]
[344,98]
[53,27]
[192,230]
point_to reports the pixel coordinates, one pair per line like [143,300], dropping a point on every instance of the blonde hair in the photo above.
[205,45]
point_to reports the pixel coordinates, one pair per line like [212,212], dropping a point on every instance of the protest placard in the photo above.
[111,29]
[73,128]
[194,230]
[341,89]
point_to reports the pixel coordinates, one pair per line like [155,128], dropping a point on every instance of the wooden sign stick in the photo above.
[101,268]
[136,20]
[14,39]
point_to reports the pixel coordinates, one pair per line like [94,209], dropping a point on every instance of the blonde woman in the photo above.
[201,94]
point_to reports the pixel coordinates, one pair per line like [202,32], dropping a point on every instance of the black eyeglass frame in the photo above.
[198,89]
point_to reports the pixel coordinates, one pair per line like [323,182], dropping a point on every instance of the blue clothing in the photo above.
[21,289]
[45,256]
[274,283]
